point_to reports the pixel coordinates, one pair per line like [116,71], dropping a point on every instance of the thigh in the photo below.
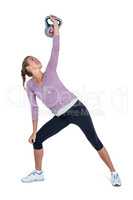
[51,127]
[81,117]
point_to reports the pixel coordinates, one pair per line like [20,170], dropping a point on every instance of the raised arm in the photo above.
[53,61]
[34,107]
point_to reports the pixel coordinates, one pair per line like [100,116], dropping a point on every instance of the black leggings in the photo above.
[77,114]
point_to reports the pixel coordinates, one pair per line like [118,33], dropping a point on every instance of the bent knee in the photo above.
[98,146]
[37,145]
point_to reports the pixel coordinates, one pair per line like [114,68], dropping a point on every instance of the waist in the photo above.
[66,107]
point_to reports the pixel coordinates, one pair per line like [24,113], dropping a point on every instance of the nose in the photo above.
[35,60]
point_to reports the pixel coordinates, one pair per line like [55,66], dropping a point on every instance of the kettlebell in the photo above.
[49,28]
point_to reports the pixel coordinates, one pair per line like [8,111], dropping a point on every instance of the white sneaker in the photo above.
[115,179]
[33,176]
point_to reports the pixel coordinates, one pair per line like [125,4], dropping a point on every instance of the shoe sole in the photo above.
[117,185]
[32,181]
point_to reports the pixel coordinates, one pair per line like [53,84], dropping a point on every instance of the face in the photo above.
[33,63]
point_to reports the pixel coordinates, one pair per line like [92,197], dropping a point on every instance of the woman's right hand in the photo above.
[32,138]
[53,19]
[56,25]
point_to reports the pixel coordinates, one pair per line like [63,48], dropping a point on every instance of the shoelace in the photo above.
[32,173]
[115,177]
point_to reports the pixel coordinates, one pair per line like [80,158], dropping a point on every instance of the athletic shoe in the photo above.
[115,179]
[33,176]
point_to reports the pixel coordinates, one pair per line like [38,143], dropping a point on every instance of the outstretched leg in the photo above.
[81,117]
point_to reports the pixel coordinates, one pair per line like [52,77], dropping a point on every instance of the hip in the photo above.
[76,110]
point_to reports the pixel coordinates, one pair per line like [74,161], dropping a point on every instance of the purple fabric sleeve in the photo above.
[33,103]
[53,61]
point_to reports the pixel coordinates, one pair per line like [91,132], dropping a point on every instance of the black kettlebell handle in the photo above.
[56,18]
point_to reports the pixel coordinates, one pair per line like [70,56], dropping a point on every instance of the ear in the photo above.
[27,67]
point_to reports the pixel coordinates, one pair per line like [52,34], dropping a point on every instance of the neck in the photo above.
[37,76]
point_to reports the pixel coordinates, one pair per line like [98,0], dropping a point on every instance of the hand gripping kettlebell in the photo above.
[49,28]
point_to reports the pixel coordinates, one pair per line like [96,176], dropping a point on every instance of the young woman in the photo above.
[66,107]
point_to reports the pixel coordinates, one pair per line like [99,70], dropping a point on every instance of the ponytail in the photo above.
[23,77]
[24,71]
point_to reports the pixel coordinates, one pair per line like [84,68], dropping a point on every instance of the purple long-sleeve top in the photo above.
[52,92]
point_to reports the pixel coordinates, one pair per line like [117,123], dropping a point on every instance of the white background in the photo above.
[95,62]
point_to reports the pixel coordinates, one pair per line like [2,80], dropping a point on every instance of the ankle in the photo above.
[38,170]
[112,169]
[113,172]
